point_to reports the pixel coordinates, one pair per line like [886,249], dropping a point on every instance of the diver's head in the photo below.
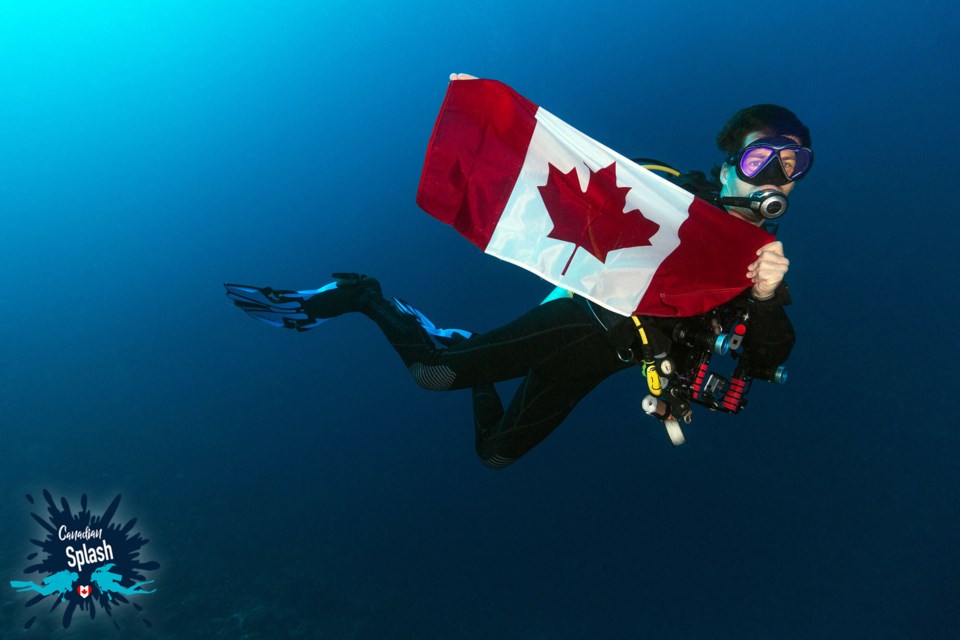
[769,120]
[767,149]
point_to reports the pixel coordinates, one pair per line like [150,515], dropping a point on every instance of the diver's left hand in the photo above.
[767,271]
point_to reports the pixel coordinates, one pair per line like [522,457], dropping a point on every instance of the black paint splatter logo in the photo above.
[88,562]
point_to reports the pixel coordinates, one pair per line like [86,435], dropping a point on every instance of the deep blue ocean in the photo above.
[302,486]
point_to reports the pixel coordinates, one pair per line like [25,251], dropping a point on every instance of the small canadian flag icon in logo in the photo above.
[84,591]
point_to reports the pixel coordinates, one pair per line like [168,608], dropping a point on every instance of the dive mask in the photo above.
[774,161]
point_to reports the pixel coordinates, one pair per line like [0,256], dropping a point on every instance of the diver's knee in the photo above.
[438,377]
[496,462]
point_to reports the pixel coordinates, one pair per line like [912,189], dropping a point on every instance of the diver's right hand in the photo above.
[462,76]
[768,270]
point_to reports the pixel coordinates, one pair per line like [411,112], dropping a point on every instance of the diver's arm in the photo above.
[770,336]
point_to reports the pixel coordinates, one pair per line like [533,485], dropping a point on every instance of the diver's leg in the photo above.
[546,396]
[507,352]
[348,293]
[537,408]
[402,330]
[504,353]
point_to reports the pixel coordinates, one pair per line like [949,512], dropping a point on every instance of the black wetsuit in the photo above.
[561,349]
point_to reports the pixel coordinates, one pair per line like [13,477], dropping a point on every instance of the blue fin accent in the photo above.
[443,336]
[278,308]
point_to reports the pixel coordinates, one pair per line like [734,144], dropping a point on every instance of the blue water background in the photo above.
[301,486]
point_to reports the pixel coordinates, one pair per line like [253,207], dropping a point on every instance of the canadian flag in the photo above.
[530,189]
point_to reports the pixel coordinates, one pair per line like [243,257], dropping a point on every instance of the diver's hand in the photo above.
[767,271]
[461,76]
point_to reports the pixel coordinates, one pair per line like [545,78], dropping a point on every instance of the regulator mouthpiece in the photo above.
[770,204]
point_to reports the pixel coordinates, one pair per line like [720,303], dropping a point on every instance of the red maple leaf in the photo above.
[593,219]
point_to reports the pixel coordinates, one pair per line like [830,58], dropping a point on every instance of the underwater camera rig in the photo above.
[689,376]
[680,366]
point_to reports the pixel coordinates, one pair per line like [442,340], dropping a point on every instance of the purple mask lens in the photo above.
[779,160]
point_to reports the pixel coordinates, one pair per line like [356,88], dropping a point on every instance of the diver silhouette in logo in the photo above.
[108,582]
[60,582]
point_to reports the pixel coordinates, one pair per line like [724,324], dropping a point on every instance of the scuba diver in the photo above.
[567,345]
